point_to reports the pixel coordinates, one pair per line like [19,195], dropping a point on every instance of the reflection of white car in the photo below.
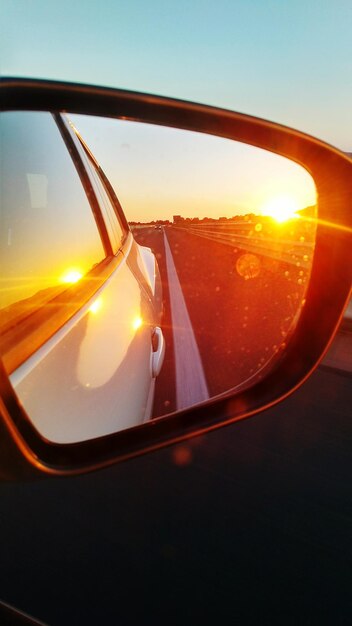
[81,304]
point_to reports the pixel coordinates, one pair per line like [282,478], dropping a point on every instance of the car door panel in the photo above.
[76,328]
[99,365]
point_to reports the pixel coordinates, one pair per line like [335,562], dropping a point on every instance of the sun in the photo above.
[280,208]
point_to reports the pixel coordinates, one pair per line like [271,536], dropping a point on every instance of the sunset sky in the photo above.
[158,172]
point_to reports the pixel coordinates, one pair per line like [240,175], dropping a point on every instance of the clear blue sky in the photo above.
[285,60]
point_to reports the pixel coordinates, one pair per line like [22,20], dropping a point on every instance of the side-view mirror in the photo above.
[167,268]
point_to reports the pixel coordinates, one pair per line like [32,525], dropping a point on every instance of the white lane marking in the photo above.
[191,386]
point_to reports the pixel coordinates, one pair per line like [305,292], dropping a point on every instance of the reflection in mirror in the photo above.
[105,325]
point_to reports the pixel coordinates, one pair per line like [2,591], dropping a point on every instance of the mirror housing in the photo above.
[24,453]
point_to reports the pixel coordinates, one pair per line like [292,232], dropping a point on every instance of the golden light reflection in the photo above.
[137,322]
[316,220]
[71,276]
[96,306]
[280,208]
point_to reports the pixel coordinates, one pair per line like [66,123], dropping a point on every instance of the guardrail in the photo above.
[294,252]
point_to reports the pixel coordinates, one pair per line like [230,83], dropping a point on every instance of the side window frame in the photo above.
[22,340]
[92,162]
[86,183]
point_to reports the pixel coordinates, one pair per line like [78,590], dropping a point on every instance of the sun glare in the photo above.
[137,323]
[281,208]
[95,306]
[71,276]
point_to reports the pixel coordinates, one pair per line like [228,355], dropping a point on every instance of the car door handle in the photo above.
[158,344]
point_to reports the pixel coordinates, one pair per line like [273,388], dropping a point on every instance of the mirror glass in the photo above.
[144,269]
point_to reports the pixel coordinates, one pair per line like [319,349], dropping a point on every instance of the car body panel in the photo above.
[98,359]
[147,265]
[91,366]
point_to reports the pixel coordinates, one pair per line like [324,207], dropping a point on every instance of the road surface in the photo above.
[225,321]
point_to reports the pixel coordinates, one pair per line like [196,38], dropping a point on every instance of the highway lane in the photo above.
[241,315]
[190,382]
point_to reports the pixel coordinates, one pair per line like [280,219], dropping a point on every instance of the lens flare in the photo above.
[248,266]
